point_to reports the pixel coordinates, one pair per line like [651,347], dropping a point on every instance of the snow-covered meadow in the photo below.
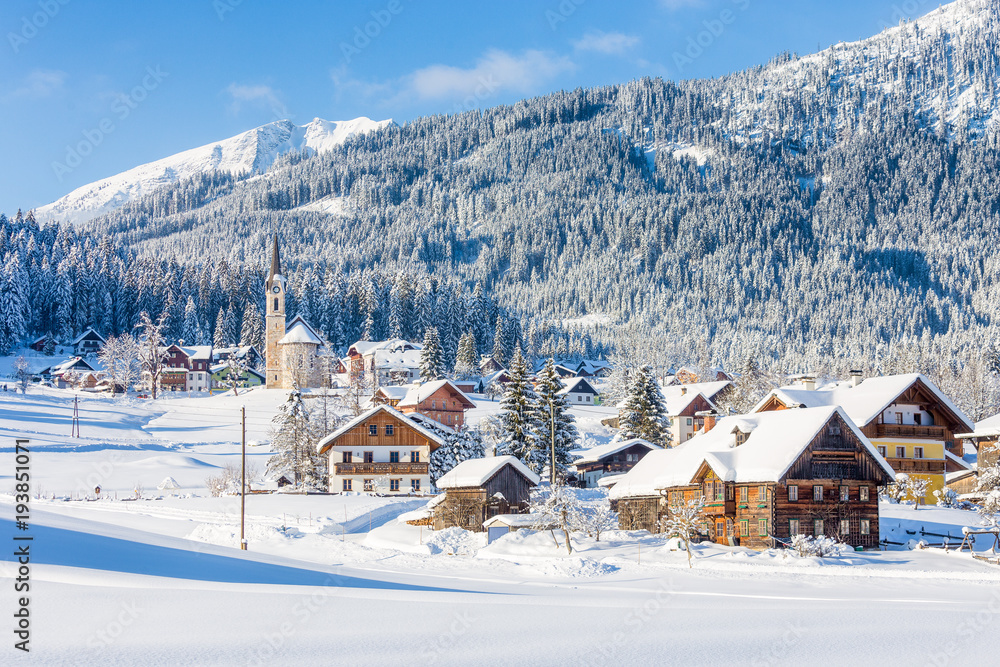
[335,579]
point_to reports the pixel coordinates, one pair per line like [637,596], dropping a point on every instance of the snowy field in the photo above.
[338,580]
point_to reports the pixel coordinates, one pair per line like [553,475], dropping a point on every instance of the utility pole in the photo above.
[76,417]
[243,478]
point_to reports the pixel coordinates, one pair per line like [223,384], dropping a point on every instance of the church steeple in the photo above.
[274,319]
[275,265]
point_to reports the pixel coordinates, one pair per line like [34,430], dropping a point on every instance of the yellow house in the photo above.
[908,419]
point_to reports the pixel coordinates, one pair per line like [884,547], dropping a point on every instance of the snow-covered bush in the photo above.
[946,498]
[916,489]
[227,482]
[559,506]
[820,547]
[599,518]
[684,521]
[896,490]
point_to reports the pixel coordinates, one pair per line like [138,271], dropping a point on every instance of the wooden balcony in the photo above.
[910,431]
[930,466]
[381,468]
[720,508]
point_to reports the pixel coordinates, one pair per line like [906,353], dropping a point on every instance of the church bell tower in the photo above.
[275,319]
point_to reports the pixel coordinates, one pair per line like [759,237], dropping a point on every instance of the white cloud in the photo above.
[259,95]
[524,73]
[610,43]
[40,83]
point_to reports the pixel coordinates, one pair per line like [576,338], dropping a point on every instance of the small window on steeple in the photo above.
[276,303]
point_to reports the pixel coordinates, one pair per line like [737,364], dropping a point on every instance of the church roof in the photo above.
[275,264]
[300,333]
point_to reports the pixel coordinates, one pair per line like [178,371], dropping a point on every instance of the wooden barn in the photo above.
[764,476]
[479,489]
[609,459]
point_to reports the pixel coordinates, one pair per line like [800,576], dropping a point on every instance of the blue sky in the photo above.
[138,81]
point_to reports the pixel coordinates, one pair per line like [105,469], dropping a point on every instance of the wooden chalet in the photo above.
[909,420]
[381,450]
[610,459]
[440,400]
[579,391]
[489,366]
[479,489]
[986,440]
[89,342]
[764,477]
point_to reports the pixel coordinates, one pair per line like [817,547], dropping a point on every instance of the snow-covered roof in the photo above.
[679,398]
[198,352]
[958,460]
[607,481]
[595,454]
[864,402]
[577,385]
[988,428]
[512,520]
[300,333]
[395,391]
[67,365]
[368,347]
[326,442]
[775,441]
[476,472]
[85,334]
[418,393]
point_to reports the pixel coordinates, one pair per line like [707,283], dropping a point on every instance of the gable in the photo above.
[837,452]
[920,395]
[771,404]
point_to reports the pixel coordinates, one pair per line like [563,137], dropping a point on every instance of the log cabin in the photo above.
[440,400]
[613,458]
[768,475]
[380,445]
[910,421]
[479,489]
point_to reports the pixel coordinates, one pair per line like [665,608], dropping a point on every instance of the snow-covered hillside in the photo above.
[933,67]
[254,150]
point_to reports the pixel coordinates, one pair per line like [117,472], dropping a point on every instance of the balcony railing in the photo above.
[720,507]
[381,468]
[934,466]
[909,431]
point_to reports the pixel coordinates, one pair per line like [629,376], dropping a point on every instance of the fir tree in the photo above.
[554,418]
[191,333]
[466,360]
[252,332]
[293,445]
[431,357]
[460,445]
[519,416]
[644,414]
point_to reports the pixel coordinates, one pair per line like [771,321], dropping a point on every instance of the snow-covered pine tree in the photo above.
[500,343]
[13,324]
[553,417]
[466,360]
[252,332]
[431,357]
[519,416]
[292,444]
[152,349]
[191,332]
[644,414]
[219,333]
[460,445]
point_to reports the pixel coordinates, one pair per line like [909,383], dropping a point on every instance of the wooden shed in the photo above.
[479,489]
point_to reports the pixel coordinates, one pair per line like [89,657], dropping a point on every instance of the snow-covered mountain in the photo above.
[251,151]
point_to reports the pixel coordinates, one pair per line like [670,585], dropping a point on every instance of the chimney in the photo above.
[809,382]
[856,378]
[710,417]
[684,390]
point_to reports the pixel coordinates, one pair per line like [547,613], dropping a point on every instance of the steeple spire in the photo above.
[275,261]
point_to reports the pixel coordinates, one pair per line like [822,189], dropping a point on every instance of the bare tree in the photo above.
[236,370]
[152,351]
[559,507]
[120,356]
[600,518]
[22,373]
[683,522]
[464,511]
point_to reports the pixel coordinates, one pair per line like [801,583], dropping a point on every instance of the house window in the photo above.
[762,527]
[347,457]
[845,526]
[276,303]
[373,429]
[866,527]
[414,485]
[845,494]
[793,494]
[434,405]
[863,494]
[368,485]
[393,457]
[817,527]
[729,492]
[900,452]
[449,419]
[917,418]
[390,429]
[818,493]
[882,451]
[579,398]
[761,494]
[588,398]
[720,528]
[369,457]
[689,421]
[415,456]
[918,452]
[394,485]
[899,417]
[743,494]
[347,484]
[745,528]
[793,527]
